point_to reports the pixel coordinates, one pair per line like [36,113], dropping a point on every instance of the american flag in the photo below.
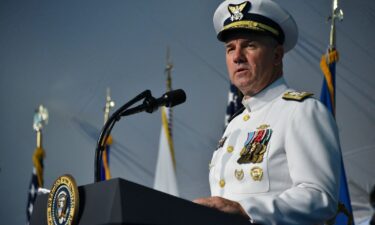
[36,181]
[234,103]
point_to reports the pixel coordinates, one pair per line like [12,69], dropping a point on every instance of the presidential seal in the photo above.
[63,202]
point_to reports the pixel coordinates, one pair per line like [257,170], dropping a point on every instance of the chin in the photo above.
[242,83]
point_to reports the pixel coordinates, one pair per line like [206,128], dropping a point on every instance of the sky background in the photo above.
[64,55]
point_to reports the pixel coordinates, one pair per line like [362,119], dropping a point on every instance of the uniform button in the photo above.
[230,149]
[222,183]
[246,117]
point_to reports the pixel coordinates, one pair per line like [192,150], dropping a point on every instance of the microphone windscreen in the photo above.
[175,97]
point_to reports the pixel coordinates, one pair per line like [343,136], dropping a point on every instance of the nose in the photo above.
[238,56]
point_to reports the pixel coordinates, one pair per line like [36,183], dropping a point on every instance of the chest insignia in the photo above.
[239,174]
[255,146]
[256,173]
[296,95]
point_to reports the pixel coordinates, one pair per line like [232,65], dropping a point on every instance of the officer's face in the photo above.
[253,62]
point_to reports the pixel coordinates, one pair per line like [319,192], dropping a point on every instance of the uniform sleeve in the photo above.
[313,154]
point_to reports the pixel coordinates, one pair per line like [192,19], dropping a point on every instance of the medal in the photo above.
[239,174]
[256,173]
[255,145]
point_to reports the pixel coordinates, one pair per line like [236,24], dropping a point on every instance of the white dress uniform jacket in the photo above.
[289,171]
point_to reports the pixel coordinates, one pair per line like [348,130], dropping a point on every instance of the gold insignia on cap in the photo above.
[252,25]
[230,149]
[256,173]
[246,117]
[297,96]
[222,183]
[238,174]
[236,11]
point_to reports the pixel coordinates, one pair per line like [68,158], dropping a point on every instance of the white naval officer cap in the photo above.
[263,16]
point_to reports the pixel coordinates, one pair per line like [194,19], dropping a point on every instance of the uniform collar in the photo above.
[266,95]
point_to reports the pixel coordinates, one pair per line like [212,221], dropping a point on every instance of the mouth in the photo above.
[241,70]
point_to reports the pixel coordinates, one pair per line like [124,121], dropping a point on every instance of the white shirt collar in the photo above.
[266,95]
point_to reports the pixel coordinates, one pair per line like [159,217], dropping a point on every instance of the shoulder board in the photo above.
[296,95]
[236,113]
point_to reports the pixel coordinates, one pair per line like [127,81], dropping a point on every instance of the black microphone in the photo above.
[151,104]
[172,98]
[169,99]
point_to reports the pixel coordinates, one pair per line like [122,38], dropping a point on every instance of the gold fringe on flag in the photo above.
[105,159]
[169,137]
[331,57]
[38,156]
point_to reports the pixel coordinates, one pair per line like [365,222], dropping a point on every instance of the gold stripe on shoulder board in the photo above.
[296,95]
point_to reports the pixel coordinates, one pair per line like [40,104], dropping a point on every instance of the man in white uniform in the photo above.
[278,160]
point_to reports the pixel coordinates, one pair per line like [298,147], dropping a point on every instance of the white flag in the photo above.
[165,175]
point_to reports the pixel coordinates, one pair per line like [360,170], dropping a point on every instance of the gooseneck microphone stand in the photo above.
[149,105]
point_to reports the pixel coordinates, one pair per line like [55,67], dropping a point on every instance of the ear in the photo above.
[278,55]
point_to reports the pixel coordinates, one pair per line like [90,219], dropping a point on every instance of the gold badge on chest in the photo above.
[239,174]
[255,145]
[256,173]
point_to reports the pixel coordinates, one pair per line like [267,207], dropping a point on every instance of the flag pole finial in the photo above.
[168,70]
[337,13]
[109,104]
[40,120]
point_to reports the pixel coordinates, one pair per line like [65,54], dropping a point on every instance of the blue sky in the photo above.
[64,54]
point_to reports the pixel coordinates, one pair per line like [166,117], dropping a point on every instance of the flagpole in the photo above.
[109,104]
[344,214]
[40,120]
[329,60]
[337,13]
[333,55]
[165,172]
[168,71]
[38,138]
[106,172]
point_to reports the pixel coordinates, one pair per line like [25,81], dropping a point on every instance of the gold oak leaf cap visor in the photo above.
[264,16]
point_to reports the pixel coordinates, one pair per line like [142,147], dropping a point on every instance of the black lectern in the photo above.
[119,201]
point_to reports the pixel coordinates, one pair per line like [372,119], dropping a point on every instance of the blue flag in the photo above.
[328,98]
[104,165]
